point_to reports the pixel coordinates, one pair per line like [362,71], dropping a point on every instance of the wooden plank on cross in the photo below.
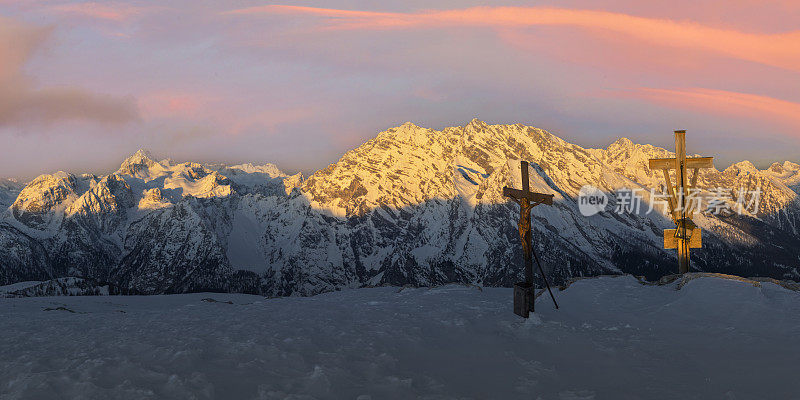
[538,198]
[691,163]
[671,242]
[670,195]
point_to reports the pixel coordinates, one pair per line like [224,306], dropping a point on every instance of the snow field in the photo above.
[612,339]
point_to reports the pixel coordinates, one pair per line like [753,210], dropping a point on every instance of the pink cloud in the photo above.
[224,111]
[429,94]
[23,104]
[269,119]
[173,103]
[104,11]
[725,103]
[779,50]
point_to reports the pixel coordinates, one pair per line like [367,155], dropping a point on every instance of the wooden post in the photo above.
[673,209]
[525,225]
[523,291]
[683,191]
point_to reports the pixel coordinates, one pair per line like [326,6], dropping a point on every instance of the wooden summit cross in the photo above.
[523,291]
[686,235]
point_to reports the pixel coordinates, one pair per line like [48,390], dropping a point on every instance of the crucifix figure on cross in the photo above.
[523,291]
[686,235]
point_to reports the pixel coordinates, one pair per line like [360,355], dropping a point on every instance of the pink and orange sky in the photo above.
[84,84]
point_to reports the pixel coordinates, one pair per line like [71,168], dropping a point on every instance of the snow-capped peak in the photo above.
[139,165]
[742,167]
[271,170]
[141,156]
[785,167]
[622,142]
[476,123]
[37,204]
[787,172]
[776,167]
[143,153]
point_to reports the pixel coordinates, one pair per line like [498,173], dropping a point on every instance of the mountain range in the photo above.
[412,206]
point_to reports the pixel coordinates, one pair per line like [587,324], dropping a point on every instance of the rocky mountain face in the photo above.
[9,189]
[411,206]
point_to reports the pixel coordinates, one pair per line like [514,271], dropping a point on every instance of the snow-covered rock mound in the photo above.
[55,287]
[613,338]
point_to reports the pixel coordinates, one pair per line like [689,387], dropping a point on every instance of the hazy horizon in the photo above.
[113,166]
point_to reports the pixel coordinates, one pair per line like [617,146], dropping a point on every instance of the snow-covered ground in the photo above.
[612,339]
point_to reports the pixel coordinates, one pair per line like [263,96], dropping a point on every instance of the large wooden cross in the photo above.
[523,291]
[686,235]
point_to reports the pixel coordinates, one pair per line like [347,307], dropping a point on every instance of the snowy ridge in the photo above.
[9,190]
[787,173]
[68,286]
[411,206]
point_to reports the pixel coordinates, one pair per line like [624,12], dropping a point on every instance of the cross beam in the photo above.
[523,291]
[525,194]
[686,235]
[537,198]
[693,163]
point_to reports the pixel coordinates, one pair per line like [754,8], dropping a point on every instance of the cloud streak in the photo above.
[22,104]
[726,103]
[102,11]
[778,50]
